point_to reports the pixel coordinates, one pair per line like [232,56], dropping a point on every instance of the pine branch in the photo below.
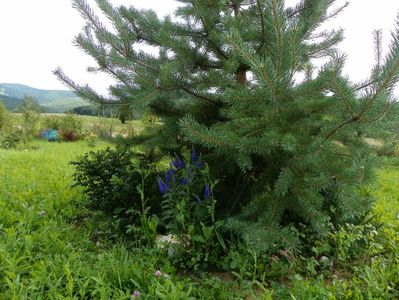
[84,92]
[278,28]
[192,93]
[200,134]
[262,24]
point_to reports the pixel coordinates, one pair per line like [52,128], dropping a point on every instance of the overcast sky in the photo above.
[36,36]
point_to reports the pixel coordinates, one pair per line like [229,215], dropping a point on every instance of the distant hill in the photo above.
[53,100]
[10,103]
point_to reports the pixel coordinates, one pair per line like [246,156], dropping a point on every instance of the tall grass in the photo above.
[50,249]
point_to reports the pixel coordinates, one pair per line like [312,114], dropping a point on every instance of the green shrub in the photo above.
[52,122]
[31,111]
[4,118]
[70,128]
[13,138]
[110,179]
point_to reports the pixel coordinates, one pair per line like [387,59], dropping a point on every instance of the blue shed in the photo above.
[50,134]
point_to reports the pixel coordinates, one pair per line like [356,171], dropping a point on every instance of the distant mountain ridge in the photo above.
[10,103]
[53,100]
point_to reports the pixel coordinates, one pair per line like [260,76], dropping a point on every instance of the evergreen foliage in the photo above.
[226,80]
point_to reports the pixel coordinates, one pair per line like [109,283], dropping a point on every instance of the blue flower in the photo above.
[178,163]
[194,159]
[170,175]
[163,187]
[194,156]
[207,191]
[184,181]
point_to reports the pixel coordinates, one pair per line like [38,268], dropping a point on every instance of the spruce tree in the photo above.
[227,80]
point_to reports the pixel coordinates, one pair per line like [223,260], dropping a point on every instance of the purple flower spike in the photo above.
[195,160]
[207,191]
[194,156]
[170,175]
[163,187]
[167,177]
[178,163]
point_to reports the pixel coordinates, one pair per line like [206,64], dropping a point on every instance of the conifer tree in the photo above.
[226,80]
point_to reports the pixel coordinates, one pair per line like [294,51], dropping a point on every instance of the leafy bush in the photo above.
[70,128]
[110,179]
[13,138]
[31,111]
[4,118]
[52,122]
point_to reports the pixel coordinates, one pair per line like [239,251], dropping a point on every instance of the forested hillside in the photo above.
[52,100]
[10,103]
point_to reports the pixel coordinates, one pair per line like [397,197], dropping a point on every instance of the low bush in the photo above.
[121,184]
[52,122]
[110,179]
[31,111]
[4,118]
[13,138]
[69,126]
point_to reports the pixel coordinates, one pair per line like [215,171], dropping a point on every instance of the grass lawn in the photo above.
[51,249]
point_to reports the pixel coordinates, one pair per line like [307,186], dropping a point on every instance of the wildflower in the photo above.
[178,163]
[169,175]
[136,294]
[184,181]
[158,273]
[163,187]
[42,213]
[194,156]
[207,191]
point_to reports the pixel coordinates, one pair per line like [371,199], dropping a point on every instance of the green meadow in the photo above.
[52,247]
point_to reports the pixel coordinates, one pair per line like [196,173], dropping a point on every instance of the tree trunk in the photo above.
[241,76]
